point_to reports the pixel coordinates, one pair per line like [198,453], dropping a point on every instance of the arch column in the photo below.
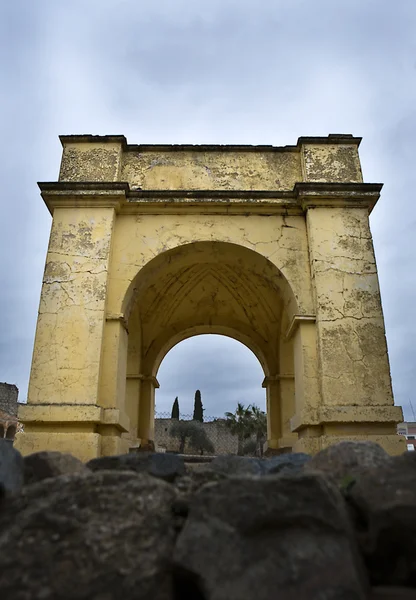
[146,421]
[273,409]
[305,422]
[279,440]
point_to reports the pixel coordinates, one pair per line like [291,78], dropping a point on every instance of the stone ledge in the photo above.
[73,413]
[87,138]
[296,321]
[347,414]
[119,195]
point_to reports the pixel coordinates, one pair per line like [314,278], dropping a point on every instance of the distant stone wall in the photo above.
[8,411]
[8,399]
[224,442]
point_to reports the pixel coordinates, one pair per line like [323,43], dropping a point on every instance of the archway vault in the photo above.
[212,285]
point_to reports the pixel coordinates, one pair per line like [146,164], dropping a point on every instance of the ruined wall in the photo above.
[8,411]
[224,442]
[8,399]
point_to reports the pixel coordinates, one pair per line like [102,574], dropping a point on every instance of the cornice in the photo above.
[337,195]
[119,195]
[331,139]
[77,194]
[295,323]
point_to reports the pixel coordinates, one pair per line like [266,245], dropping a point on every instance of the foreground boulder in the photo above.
[88,536]
[11,469]
[383,501]
[164,465]
[266,537]
[230,464]
[341,461]
[41,465]
[144,525]
[292,462]
[392,593]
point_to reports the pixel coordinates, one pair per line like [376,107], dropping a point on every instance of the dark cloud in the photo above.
[222,71]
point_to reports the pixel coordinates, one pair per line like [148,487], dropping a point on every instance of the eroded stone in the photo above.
[164,466]
[11,469]
[258,538]
[95,535]
[343,460]
[41,465]
[383,499]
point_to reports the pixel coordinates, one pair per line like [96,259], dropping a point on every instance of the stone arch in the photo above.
[179,255]
[215,330]
[208,287]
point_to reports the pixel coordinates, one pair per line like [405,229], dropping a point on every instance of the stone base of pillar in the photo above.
[276,447]
[393,444]
[317,429]
[85,431]
[84,446]
[143,446]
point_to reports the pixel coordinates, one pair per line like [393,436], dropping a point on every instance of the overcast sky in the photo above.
[206,71]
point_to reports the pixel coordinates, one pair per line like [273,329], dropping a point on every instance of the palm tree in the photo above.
[240,424]
[259,421]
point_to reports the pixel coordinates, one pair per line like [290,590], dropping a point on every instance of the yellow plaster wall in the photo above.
[91,162]
[211,170]
[351,338]
[139,239]
[67,351]
[331,162]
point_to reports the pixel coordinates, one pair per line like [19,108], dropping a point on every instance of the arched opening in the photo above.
[226,376]
[225,370]
[210,288]
[1,430]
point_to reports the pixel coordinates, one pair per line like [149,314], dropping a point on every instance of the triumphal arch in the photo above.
[152,244]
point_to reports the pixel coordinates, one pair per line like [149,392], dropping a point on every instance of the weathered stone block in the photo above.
[95,535]
[249,537]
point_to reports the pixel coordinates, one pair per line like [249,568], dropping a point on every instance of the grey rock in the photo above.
[188,485]
[392,593]
[162,465]
[41,465]
[342,460]
[292,462]
[267,537]
[11,469]
[383,501]
[236,465]
[104,535]
[195,479]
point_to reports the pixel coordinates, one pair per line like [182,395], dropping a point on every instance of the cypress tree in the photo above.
[175,409]
[198,409]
